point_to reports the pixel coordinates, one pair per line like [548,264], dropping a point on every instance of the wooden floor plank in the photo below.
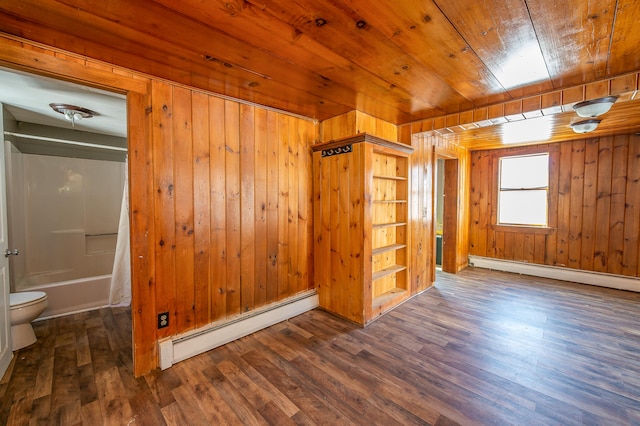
[188,404]
[114,405]
[480,347]
[91,413]
[271,367]
[40,411]
[66,381]
[274,415]
[161,383]
[276,396]
[174,416]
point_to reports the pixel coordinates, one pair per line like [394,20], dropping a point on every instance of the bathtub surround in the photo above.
[63,216]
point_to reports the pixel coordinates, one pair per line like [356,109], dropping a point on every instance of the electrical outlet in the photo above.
[163,320]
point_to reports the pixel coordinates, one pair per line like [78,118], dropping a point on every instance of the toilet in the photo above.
[25,307]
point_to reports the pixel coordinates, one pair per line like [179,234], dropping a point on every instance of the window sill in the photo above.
[523,229]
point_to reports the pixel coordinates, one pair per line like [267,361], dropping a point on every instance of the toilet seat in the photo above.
[26,298]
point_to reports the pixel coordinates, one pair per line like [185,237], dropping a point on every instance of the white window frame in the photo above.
[502,189]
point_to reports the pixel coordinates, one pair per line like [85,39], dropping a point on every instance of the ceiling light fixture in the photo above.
[585,126]
[73,113]
[594,107]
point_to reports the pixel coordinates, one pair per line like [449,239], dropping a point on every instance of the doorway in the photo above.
[446,213]
[439,207]
[62,167]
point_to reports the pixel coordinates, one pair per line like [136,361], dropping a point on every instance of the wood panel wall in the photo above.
[594,208]
[422,211]
[354,122]
[220,196]
[232,200]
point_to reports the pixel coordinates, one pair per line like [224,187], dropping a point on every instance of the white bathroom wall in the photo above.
[103,184]
[69,212]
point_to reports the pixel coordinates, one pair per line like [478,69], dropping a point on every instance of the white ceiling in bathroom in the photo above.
[27,98]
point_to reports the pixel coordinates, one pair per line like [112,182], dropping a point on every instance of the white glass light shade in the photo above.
[585,126]
[594,107]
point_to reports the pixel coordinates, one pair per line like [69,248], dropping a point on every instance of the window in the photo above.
[522,191]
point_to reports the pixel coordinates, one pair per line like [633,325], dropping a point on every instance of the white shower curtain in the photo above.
[120,293]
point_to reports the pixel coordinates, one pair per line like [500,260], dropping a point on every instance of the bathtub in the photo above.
[82,286]
[72,296]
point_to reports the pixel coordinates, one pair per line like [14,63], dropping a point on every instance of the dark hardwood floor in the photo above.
[480,347]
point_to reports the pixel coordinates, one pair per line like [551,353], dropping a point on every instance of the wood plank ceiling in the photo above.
[400,61]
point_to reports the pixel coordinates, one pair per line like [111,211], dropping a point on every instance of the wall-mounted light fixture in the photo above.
[594,107]
[73,113]
[585,126]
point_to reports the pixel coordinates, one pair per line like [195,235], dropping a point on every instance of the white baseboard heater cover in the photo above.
[178,348]
[555,272]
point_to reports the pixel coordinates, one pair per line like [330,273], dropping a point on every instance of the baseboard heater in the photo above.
[555,272]
[178,348]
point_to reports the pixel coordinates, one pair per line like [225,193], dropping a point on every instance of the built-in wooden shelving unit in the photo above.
[361,207]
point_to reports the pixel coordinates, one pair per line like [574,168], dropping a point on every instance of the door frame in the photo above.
[450,216]
[137,89]
[454,252]
[6,353]
[452,220]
